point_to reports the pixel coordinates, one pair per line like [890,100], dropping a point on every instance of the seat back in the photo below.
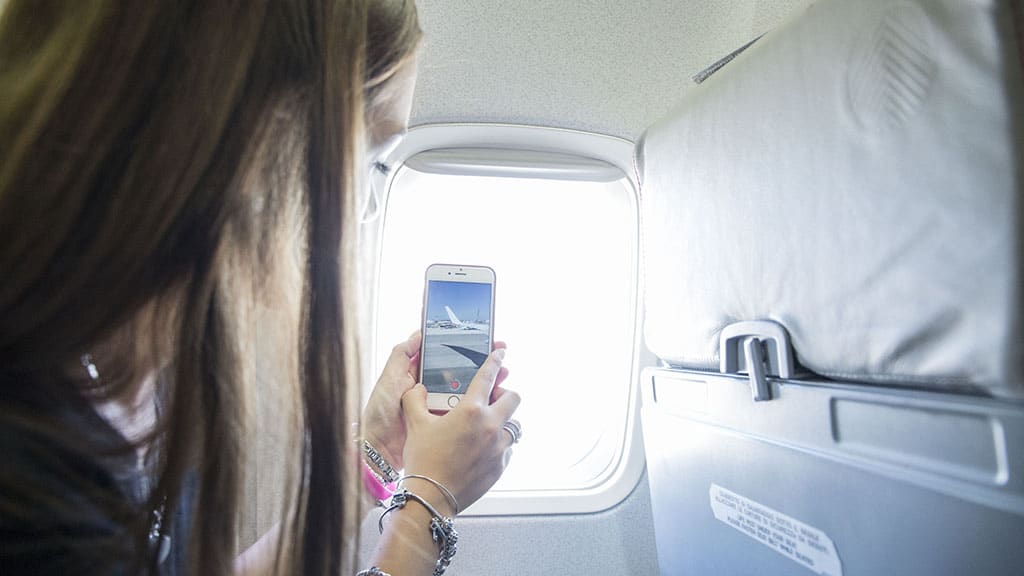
[832,247]
[854,176]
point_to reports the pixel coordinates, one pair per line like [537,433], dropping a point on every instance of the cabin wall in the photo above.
[619,540]
[596,65]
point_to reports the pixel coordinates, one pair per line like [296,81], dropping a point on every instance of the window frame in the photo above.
[629,462]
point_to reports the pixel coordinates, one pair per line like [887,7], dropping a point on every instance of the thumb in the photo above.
[414,403]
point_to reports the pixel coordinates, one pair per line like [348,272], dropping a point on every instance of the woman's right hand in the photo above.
[466,449]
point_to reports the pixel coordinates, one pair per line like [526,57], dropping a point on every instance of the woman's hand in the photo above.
[466,449]
[382,423]
[382,418]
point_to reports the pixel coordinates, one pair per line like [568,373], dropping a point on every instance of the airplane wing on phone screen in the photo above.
[474,356]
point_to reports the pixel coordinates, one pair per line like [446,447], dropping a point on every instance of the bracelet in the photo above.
[378,487]
[442,529]
[377,459]
[447,493]
[372,571]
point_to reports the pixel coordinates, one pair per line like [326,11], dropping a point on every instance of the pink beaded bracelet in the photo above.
[374,485]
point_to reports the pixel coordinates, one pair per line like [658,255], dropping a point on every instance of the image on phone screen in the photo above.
[457,334]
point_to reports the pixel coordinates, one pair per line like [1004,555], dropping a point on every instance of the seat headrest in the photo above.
[853,176]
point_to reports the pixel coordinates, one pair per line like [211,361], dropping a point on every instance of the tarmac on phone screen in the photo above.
[452,357]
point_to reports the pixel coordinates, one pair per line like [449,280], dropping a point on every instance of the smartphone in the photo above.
[458,330]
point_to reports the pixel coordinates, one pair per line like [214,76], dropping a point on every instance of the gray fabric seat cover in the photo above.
[854,176]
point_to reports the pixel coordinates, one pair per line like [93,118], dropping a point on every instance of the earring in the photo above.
[90,367]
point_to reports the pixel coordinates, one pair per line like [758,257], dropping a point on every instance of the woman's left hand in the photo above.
[382,424]
[382,418]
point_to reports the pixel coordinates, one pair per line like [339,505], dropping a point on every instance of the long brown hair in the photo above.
[155,156]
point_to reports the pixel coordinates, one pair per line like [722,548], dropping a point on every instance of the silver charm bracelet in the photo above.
[442,528]
[377,459]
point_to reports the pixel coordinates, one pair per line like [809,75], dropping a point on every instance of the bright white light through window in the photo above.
[565,257]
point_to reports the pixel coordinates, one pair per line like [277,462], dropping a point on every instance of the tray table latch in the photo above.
[759,348]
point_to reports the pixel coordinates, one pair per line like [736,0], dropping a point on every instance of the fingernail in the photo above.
[499,354]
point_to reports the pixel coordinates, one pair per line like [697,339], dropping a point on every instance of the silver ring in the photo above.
[514,429]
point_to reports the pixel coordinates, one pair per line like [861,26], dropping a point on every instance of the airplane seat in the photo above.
[833,267]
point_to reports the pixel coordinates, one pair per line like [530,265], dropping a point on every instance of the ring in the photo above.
[514,429]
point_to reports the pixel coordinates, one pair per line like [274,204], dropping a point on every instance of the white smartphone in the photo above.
[458,330]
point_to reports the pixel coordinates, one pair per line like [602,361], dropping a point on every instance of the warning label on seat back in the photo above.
[788,536]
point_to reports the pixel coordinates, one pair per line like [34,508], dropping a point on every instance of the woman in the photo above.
[171,169]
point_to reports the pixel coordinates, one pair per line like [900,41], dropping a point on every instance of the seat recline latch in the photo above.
[759,349]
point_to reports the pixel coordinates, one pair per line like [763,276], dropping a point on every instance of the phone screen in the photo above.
[457,334]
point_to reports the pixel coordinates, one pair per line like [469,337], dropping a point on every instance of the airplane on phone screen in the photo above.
[454,322]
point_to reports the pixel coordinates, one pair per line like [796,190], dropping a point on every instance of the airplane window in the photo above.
[565,256]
